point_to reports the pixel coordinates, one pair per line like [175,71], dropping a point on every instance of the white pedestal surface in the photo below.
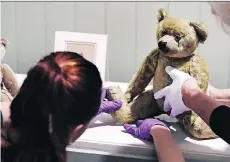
[106,140]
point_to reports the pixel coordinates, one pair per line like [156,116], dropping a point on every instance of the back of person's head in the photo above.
[222,12]
[59,93]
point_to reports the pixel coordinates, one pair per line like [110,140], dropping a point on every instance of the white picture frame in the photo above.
[93,47]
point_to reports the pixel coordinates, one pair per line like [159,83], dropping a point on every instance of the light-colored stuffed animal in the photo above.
[177,41]
[9,83]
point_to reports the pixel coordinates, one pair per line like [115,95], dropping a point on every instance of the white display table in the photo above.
[106,140]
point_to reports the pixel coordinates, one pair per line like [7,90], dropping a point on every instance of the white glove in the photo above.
[172,93]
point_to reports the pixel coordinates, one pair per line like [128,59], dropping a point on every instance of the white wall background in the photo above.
[131,27]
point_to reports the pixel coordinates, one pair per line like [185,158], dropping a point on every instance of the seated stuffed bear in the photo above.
[177,41]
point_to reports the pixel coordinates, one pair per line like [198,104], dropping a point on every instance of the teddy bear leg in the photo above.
[141,107]
[195,126]
[145,106]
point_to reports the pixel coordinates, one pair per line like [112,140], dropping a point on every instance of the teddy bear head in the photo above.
[3,44]
[177,37]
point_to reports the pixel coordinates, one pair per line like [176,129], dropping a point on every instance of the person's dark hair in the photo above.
[62,86]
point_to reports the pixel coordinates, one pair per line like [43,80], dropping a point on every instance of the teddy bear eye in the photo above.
[164,33]
[177,38]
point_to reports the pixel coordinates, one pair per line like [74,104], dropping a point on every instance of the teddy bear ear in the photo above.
[201,31]
[4,41]
[162,14]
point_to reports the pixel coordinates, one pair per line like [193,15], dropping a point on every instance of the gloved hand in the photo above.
[108,106]
[143,128]
[172,93]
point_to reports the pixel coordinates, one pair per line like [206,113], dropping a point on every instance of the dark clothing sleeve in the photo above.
[220,122]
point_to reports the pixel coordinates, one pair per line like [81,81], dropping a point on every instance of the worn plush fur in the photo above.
[9,83]
[177,41]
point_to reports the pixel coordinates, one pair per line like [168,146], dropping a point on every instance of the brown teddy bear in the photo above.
[177,41]
[9,83]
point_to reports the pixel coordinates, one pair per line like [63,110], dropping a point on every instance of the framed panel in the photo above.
[92,47]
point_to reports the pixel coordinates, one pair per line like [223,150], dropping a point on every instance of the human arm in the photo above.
[204,104]
[184,94]
[213,112]
[221,95]
[166,149]
[144,75]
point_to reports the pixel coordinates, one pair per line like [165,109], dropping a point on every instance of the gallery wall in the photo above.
[131,29]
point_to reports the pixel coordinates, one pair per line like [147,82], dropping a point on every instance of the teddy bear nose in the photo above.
[162,45]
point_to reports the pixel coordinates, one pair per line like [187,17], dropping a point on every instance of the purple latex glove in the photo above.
[143,128]
[108,106]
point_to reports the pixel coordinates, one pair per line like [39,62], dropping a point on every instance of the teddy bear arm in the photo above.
[9,80]
[199,71]
[191,121]
[143,77]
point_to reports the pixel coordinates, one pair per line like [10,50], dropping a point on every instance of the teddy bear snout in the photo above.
[163,46]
